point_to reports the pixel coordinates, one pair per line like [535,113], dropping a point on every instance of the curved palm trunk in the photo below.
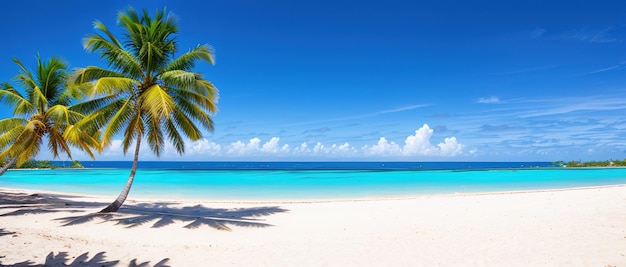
[8,165]
[113,207]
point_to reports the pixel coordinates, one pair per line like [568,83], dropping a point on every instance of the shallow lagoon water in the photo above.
[307,184]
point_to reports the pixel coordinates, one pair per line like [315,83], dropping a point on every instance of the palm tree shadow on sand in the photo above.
[163,214]
[61,259]
[23,204]
[98,260]
[158,214]
[5,232]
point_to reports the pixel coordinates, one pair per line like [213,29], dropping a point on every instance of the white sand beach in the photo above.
[577,227]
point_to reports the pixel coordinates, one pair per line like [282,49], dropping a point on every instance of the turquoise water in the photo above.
[305,184]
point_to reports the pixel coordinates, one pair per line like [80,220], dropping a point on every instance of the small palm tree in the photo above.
[42,110]
[146,91]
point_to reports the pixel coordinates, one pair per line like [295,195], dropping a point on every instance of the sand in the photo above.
[575,227]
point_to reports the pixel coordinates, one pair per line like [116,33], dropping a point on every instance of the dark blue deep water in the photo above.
[312,165]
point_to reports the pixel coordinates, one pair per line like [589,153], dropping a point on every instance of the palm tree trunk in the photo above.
[113,207]
[8,165]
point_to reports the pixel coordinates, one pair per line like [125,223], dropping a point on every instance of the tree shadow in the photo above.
[41,203]
[5,232]
[132,215]
[83,260]
[98,260]
[163,214]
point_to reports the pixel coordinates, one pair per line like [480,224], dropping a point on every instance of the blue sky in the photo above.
[382,80]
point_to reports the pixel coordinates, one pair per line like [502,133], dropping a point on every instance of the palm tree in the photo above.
[43,111]
[146,91]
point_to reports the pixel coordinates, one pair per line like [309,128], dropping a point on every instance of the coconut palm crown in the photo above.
[146,91]
[42,109]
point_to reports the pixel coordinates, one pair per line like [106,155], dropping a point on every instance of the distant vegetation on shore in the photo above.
[46,164]
[582,164]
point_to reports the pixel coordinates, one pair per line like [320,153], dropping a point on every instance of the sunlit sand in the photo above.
[578,227]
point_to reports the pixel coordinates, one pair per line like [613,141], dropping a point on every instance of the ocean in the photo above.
[261,181]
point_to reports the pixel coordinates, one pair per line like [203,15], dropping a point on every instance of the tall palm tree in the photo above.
[146,91]
[42,110]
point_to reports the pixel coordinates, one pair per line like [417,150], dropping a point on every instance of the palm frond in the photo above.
[207,89]
[98,25]
[57,143]
[94,104]
[13,98]
[155,100]
[11,133]
[24,143]
[83,140]
[62,116]
[194,111]
[202,101]
[91,73]
[115,55]
[38,99]
[112,86]
[150,39]
[10,123]
[31,146]
[174,136]
[123,114]
[78,91]
[135,127]
[25,77]
[51,79]
[154,133]
[187,61]
[185,124]
[178,78]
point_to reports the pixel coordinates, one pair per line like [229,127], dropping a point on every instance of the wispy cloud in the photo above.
[536,33]
[400,109]
[367,115]
[496,128]
[488,100]
[570,105]
[590,35]
[318,130]
[621,65]
[524,70]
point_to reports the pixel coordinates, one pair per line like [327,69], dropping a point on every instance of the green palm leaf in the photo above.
[188,60]
[120,119]
[11,131]
[157,102]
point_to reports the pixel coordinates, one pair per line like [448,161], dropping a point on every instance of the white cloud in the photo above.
[320,149]
[418,144]
[272,146]
[342,150]
[302,149]
[203,147]
[382,148]
[450,147]
[254,147]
